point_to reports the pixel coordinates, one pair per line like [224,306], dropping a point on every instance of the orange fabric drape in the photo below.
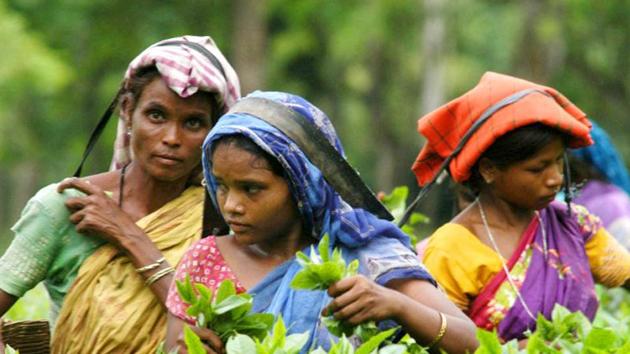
[445,127]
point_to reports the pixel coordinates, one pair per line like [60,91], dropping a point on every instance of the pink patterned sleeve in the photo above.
[205,265]
[174,302]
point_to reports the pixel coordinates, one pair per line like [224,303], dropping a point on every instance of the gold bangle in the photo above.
[159,274]
[441,333]
[150,266]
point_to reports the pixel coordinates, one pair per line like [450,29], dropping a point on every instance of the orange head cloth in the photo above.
[445,127]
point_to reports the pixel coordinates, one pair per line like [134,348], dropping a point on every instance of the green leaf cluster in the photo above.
[320,271]
[276,343]
[225,312]
[566,332]
[371,346]
[396,203]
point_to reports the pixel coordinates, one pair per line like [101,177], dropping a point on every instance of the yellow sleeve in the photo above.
[610,262]
[460,263]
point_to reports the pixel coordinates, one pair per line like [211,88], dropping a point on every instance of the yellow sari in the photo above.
[109,309]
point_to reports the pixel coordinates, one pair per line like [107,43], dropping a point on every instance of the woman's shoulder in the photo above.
[205,248]
[458,243]
[49,199]
[452,234]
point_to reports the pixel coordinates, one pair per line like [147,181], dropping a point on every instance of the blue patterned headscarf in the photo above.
[321,207]
[381,248]
[603,156]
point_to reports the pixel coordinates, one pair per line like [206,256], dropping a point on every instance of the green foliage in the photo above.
[343,346]
[193,342]
[396,202]
[279,343]
[566,332]
[9,350]
[225,312]
[34,305]
[321,270]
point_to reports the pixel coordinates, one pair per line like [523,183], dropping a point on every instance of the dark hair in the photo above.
[516,146]
[144,76]
[582,171]
[242,142]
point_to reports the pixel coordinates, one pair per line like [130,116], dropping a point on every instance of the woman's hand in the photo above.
[358,299]
[98,214]
[212,342]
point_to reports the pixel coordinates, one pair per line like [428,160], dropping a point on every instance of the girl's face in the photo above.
[530,184]
[255,202]
[167,130]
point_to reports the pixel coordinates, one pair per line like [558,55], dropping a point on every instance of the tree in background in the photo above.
[374,66]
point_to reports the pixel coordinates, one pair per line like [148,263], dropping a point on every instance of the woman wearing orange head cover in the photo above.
[514,253]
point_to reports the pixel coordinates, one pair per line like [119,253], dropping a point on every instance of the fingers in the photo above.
[338,304]
[343,285]
[210,337]
[79,184]
[77,217]
[77,203]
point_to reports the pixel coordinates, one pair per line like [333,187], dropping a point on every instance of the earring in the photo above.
[128,131]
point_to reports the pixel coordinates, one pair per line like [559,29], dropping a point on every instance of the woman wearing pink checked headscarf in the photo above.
[104,245]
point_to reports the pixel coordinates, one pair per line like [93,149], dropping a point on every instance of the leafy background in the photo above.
[374,66]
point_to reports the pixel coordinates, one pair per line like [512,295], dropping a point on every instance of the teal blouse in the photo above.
[46,248]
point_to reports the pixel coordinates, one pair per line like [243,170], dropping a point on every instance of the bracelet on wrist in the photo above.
[440,335]
[158,275]
[150,266]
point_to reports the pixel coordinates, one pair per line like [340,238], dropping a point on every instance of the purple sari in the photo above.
[563,278]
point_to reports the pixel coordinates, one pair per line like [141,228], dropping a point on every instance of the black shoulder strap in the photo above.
[96,133]
[318,149]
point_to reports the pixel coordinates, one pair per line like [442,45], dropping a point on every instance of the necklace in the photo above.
[505,268]
[121,185]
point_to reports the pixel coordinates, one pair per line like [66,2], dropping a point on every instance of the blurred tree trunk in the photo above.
[433,37]
[436,205]
[249,42]
[541,51]
[385,141]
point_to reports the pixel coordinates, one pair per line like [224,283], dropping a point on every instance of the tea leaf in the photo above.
[374,342]
[193,343]
[240,344]
[225,290]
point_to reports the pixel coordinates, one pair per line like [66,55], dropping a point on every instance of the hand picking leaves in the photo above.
[225,312]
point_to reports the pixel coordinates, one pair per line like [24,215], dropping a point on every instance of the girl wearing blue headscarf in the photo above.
[277,202]
[606,187]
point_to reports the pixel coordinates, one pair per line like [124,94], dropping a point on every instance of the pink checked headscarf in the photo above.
[185,70]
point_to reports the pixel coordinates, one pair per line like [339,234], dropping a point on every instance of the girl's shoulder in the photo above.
[588,223]
[452,233]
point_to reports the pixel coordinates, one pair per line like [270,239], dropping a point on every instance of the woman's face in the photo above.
[533,183]
[255,202]
[167,130]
